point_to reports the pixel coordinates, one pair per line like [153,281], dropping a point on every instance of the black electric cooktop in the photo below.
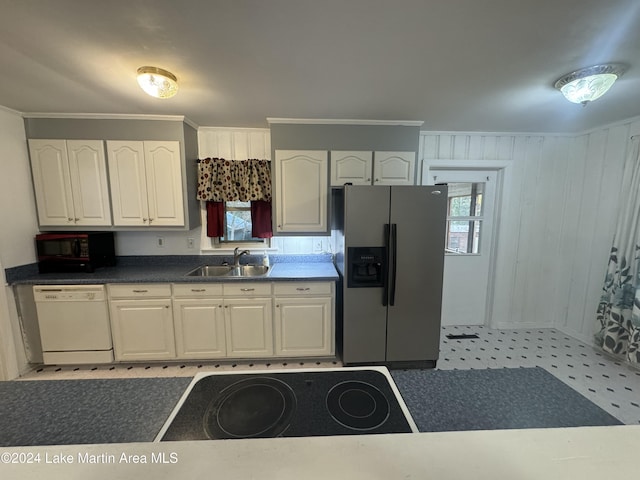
[288,404]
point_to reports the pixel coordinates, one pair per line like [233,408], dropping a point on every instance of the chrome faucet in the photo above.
[237,254]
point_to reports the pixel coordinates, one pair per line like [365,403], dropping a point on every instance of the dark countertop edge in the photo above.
[171,272]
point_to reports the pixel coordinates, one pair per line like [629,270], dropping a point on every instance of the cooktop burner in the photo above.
[357,405]
[289,403]
[253,407]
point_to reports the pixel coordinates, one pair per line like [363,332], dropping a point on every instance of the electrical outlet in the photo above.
[317,246]
[160,242]
[190,242]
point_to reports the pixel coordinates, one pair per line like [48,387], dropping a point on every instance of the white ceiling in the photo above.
[457,65]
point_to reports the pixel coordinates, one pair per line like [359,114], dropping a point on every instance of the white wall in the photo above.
[558,205]
[18,226]
[17,206]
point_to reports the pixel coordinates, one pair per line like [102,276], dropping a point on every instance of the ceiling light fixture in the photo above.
[157,82]
[588,84]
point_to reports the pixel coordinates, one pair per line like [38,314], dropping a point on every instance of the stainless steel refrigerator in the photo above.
[390,242]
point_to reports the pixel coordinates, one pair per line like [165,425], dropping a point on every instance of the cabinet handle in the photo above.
[144,219]
[247,289]
[140,291]
[219,306]
[300,289]
[151,220]
[198,289]
[70,219]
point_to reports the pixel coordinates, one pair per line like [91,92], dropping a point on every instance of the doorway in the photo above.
[469,244]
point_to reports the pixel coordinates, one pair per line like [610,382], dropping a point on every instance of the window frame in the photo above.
[471,219]
[214,244]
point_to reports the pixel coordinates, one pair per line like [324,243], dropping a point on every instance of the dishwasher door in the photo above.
[74,324]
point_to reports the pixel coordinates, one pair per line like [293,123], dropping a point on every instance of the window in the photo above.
[237,223]
[464,217]
[237,228]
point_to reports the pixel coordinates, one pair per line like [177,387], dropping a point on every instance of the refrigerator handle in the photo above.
[385,272]
[394,255]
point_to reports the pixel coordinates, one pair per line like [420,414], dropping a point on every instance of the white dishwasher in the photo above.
[74,324]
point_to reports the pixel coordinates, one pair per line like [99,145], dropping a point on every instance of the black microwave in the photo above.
[75,252]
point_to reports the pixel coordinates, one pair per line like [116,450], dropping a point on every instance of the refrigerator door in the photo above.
[366,211]
[413,328]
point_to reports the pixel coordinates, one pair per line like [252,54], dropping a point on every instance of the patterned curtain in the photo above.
[223,180]
[618,315]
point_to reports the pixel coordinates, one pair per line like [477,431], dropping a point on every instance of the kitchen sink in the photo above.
[229,271]
[248,271]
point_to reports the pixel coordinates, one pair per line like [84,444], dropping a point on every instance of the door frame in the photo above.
[430,167]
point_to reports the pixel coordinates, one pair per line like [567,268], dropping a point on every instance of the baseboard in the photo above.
[588,339]
[519,325]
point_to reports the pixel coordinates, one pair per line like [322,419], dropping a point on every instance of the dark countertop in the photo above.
[174,269]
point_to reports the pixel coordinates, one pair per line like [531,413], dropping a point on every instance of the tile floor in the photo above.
[610,384]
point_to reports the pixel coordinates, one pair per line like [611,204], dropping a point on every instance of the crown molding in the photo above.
[342,121]
[10,110]
[110,116]
[233,129]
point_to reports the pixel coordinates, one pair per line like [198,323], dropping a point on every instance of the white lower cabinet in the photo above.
[249,327]
[141,322]
[199,328]
[304,319]
[222,320]
[198,320]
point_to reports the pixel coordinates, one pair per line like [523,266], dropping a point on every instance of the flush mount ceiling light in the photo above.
[587,84]
[157,82]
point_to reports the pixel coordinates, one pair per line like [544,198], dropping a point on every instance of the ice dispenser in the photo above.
[366,266]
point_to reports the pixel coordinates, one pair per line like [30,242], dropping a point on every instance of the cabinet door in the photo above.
[301,191]
[142,329]
[199,328]
[393,168]
[88,171]
[127,177]
[52,182]
[351,167]
[248,326]
[164,183]
[303,327]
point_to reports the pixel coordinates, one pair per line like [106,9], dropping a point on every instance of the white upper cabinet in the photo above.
[146,183]
[70,182]
[164,183]
[394,168]
[351,167]
[301,195]
[372,168]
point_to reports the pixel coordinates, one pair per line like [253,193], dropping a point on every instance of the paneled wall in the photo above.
[234,143]
[557,207]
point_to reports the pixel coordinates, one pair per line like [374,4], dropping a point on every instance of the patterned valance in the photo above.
[223,180]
